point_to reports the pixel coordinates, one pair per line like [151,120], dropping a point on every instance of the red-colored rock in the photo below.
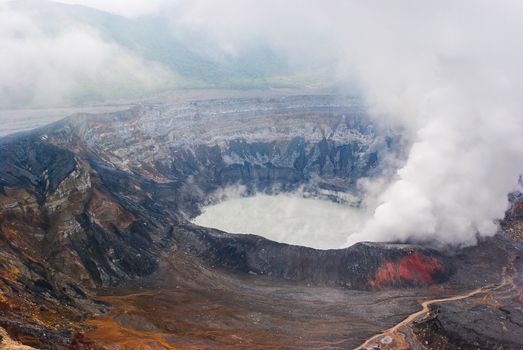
[415,268]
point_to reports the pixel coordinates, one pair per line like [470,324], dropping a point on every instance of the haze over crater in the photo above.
[285,218]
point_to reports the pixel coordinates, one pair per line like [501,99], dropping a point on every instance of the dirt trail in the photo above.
[394,338]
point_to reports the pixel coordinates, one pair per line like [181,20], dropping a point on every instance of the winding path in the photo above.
[394,338]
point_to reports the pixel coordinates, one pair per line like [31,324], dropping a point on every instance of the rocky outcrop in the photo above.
[360,266]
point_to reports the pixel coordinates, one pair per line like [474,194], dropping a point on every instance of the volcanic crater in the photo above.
[100,247]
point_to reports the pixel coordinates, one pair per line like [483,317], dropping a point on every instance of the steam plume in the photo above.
[449,71]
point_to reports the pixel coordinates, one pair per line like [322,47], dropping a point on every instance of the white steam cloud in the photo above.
[449,71]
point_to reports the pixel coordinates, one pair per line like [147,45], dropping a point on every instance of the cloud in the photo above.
[452,79]
[46,62]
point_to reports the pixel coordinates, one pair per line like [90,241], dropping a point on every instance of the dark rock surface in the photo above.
[354,267]
[469,325]
[490,320]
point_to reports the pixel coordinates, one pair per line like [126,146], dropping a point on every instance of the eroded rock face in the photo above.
[515,211]
[193,149]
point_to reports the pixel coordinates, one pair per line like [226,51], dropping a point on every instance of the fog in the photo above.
[285,218]
[49,60]
[448,71]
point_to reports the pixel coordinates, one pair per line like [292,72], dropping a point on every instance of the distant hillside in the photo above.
[186,62]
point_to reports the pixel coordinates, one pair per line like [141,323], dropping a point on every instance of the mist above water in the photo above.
[284,218]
